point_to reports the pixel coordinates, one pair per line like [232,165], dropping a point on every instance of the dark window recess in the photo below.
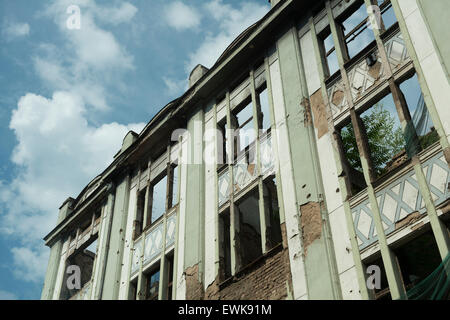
[133,290]
[83,258]
[169,276]
[382,292]
[173,201]
[357,35]
[224,245]
[249,232]
[152,285]
[139,222]
[222,143]
[418,259]
[272,212]
[421,119]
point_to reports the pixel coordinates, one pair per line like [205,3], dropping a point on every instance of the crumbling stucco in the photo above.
[311,221]
[320,114]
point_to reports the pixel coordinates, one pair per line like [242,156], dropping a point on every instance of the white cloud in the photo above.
[181,16]
[175,87]
[232,21]
[15,30]
[5,295]
[58,153]
[58,149]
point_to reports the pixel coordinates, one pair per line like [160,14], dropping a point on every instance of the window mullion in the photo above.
[338,37]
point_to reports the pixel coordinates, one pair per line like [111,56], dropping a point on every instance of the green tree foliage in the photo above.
[385,140]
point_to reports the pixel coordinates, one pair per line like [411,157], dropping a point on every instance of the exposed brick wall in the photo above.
[266,278]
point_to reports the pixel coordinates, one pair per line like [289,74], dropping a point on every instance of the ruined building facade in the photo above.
[347,168]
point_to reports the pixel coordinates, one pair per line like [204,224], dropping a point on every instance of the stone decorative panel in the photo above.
[267,156]
[363,78]
[244,173]
[153,242]
[224,186]
[338,100]
[171,229]
[396,51]
[400,199]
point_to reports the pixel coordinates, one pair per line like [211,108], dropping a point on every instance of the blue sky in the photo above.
[68,97]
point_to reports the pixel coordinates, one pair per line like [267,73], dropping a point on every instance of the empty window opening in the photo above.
[418,259]
[272,212]
[222,143]
[264,115]
[138,224]
[133,290]
[381,288]
[352,160]
[158,203]
[357,34]
[421,119]
[169,266]
[387,13]
[249,233]
[224,245]
[244,134]
[173,201]
[385,136]
[83,258]
[329,53]
[152,284]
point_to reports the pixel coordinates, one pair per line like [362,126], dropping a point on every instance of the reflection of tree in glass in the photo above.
[385,140]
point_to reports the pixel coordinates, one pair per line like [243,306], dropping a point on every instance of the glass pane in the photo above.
[247,211]
[419,112]
[332,61]
[174,185]
[385,136]
[153,286]
[159,199]
[265,113]
[361,37]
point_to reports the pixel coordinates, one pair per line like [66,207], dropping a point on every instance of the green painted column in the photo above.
[116,241]
[320,273]
[55,255]
[194,221]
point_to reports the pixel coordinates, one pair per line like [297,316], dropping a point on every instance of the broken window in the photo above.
[173,201]
[355,28]
[418,259]
[152,284]
[222,142]
[133,290]
[244,130]
[328,51]
[224,245]
[83,258]
[418,112]
[381,285]
[158,199]
[264,114]
[387,13]
[139,222]
[384,136]
[351,159]
[272,212]
[249,233]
